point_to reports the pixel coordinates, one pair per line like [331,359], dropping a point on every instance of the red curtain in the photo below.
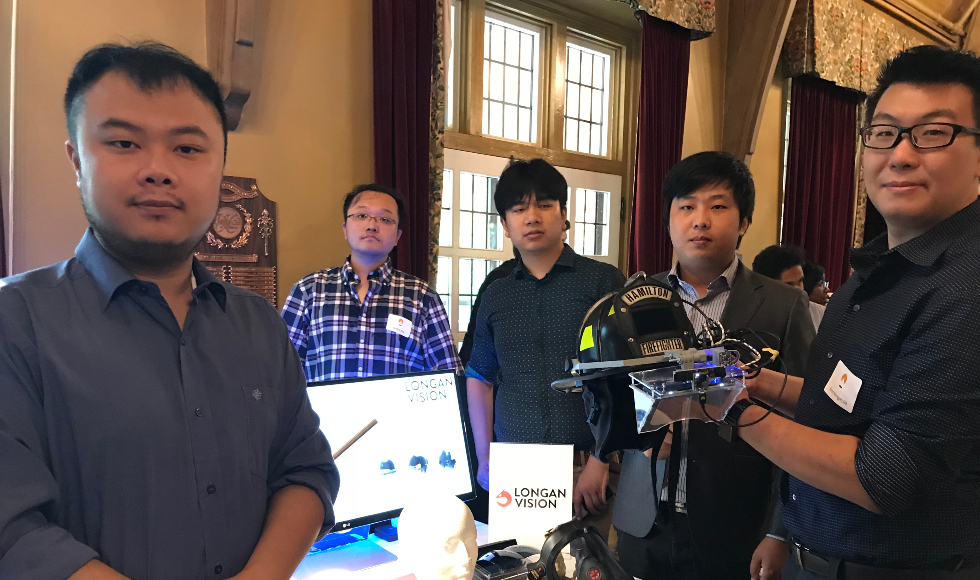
[818,212]
[403,33]
[660,133]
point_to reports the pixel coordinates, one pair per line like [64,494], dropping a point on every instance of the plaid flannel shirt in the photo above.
[337,337]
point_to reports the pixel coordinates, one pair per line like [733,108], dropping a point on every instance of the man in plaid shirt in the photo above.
[365,318]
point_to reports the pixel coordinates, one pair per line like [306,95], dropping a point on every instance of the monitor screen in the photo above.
[417,447]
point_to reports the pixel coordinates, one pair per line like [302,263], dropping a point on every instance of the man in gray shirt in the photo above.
[154,422]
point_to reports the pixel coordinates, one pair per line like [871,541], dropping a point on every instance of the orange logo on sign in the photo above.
[504,498]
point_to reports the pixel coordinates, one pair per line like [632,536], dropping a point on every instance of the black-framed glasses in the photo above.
[363,217]
[923,136]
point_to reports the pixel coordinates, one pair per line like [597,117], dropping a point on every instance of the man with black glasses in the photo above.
[366,318]
[884,453]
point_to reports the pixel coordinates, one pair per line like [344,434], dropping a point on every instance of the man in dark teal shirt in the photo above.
[154,421]
[528,324]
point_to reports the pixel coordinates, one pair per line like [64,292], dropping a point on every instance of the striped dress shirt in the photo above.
[712,305]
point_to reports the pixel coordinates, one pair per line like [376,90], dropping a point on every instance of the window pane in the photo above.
[586,69]
[572,64]
[446,216]
[511,84]
[524,125]
[479,224]
[465,305]
[526,90]
[465,191]
[472,273]
[597,106]
[585,104]
[444,283]
[497,39]
[591,222]
[465,229]
[496,81]
[527,51]
[571,100]
[571,134]
[587,99]
[496,119]
[510,122]
[479,231]
[480,193]
[486,85]
[512,47]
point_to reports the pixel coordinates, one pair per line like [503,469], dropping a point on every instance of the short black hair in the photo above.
[523,178]
[774,260]
[350,197]
[812,274]
[930,65]
[706,169]
[151,66]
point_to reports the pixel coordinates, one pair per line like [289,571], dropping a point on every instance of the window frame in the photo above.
[559,25]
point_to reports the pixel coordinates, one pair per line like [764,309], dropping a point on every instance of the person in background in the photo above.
[786,264]
[712,511]
[815,286]
[815,283]
[782,263]
[154,421]
[366,318]
[526,327]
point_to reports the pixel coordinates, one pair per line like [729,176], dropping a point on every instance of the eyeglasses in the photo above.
[363,218]
[924,136]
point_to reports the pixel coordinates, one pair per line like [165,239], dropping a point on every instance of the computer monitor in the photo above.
[417,446]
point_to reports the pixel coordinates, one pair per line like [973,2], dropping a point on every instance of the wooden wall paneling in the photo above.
[557,125]
[473,73]
[756,30]
[230,49]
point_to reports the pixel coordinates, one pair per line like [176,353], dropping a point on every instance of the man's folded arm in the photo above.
[300,454]
[31,544]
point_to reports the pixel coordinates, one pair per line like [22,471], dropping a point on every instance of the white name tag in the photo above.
[399,325]
[843,387]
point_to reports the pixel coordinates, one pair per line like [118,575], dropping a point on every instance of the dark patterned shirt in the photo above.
[525,329]
[904,323]
[127,438]
[337,337]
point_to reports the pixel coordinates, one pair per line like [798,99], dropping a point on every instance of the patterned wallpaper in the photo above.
[696,15]
[843,41]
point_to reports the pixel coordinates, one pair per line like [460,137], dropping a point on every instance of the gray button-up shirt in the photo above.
[126,438]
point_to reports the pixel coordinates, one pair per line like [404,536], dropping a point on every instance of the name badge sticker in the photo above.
[843,387]
[399,325]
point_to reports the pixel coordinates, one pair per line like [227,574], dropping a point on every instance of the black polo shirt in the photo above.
[525,329]
[905,323]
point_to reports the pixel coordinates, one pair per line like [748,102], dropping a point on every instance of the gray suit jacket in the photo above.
[761,304]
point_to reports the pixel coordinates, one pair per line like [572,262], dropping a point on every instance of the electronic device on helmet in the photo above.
[642,365]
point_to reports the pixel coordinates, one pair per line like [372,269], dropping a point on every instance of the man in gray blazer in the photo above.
[709,508]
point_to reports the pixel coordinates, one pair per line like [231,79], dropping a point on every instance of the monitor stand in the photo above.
[350,551]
